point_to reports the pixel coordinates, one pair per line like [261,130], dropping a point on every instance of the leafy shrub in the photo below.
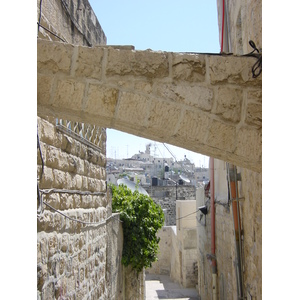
[141,218]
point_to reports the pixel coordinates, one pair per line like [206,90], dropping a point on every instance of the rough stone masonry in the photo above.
[203,102]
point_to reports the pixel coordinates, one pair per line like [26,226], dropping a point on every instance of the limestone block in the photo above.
[194,125]
[69,181]
[93,171]
[64,243]
[254,107]
[144,87]
[194,96]
[78,182]
[66,201]
[53,199]
[85,185]
[249,144]
[133,108]
[63,161]
[138,63]
[87,201]
[52,156]
[44,222]
[58,222]
[232,69]
[46,181]
[188,67]
[228,103]
[221,136]
[79,165]
[102,183]
[77,201]
[44,84]
[101,100]
[89,62]
[69,93]
[59,179]
[46,133]
[254,114]
[52,244]
[54,57]
[66,143]
[93,185]
[72,163]
[159,112]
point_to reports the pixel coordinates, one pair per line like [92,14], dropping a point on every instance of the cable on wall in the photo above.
[65,6]
[257,67]
[40,16]
[52,33]
[60,191]
[80,221]
[187,215]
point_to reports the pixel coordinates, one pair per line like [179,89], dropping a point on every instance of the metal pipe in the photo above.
[212,207]
[237,226]
[213,245]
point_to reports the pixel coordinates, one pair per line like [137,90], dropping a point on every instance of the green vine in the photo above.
[141,218]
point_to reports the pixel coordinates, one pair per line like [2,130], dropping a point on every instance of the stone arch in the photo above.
[206,103]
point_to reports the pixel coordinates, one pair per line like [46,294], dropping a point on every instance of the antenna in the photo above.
[170,152]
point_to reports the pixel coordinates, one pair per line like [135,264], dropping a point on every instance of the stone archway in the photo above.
[202,102]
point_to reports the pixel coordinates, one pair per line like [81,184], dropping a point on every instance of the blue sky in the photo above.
[177,26]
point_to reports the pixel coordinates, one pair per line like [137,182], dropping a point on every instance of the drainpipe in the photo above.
[233,176]
[213,246]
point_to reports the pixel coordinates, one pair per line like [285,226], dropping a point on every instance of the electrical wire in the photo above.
[80,221]
[188,215]
[175,158]
[61,191]
[40,150]
[75,23]
[52,32]
[40,16]
[257,67]
[223,18]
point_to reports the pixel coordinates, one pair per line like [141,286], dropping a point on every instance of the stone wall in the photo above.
[178,247]
[165,196]
[73,22]
[251,222]
[244,19]
[73,215]
[79,240]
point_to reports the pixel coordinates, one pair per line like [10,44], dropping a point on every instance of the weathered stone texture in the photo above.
[158,112]
[101,99]
[55,58]
[229,103]
[137,63]
[69,93]
[232,70]
[63,247]
[89,65]
[188,67]
[189,100]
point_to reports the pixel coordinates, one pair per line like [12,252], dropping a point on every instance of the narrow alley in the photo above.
[161,287]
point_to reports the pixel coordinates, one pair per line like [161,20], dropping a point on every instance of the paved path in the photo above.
[161,287]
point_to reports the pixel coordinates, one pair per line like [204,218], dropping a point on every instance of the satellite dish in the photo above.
[185,179]
[132,186]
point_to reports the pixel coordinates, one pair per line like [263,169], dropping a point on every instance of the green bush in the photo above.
[141,218]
